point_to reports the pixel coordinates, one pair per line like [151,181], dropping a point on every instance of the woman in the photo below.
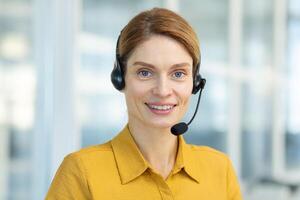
[157,63]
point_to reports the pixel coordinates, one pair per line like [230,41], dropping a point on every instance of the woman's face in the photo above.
[159,82]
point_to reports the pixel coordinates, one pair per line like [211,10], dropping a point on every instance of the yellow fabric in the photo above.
[117,170]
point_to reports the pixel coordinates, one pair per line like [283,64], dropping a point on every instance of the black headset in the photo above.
[118,80]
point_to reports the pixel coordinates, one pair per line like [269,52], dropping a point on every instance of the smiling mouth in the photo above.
[166,107]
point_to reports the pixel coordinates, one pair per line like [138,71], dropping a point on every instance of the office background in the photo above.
[56,97]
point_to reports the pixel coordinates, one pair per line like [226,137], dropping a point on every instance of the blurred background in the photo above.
[56,97]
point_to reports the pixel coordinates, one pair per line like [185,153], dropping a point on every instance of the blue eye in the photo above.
[178,74]
[144,73]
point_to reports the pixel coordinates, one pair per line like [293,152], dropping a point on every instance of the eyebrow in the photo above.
[152,66]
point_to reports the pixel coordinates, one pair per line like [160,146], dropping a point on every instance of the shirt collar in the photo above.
[131,163]
[129,159]
[189,159]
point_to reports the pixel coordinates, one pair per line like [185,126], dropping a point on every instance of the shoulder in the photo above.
[92,155]
[73,174]
[79,163]
[92,151]
[208,151]
[218,166]
[86,151]
[209,155]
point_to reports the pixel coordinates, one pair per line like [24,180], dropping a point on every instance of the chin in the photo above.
[161,124]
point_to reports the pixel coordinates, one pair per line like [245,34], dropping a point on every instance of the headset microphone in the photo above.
[182,127]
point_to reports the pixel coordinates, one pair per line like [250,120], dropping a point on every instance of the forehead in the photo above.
[160,50]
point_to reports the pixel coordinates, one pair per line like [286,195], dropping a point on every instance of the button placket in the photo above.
[162,186]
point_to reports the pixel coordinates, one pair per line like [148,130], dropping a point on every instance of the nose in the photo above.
[162,87]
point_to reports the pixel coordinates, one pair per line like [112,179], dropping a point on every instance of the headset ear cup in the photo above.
[117,76]
[199,83]
[196,84]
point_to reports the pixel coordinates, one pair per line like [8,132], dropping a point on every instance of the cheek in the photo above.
[135,92]
[185,91]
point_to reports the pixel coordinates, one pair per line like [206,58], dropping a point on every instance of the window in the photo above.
[17,98]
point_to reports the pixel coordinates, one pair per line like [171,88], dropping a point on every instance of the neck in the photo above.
[157,145]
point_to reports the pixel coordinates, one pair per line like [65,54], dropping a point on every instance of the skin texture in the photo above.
[159,72]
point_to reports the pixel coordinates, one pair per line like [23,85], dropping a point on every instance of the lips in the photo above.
[161,108]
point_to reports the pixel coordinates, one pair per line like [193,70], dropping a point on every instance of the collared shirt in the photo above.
[117,170]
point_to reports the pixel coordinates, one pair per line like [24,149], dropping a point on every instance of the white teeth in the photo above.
[164,107]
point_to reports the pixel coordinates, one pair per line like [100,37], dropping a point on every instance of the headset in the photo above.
[118,81]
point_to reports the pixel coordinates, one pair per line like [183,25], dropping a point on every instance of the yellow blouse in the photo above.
[117,170]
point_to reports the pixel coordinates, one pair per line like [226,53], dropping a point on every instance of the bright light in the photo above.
[14,46]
